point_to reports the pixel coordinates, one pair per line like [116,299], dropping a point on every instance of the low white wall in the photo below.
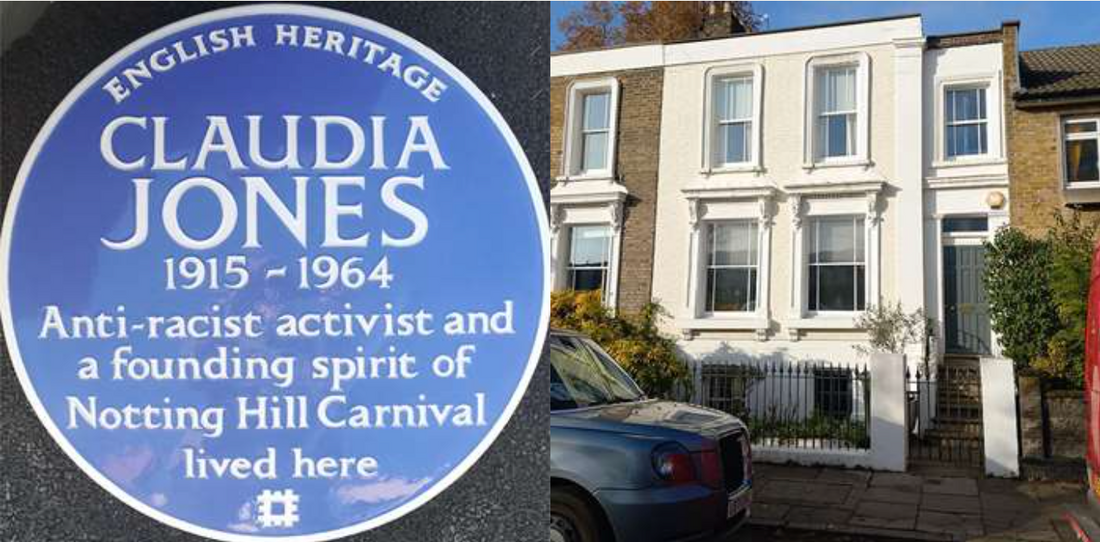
[1002,451]
[889,438]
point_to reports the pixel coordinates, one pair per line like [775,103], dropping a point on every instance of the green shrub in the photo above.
[1071,244]
[633,340]
[1017,284]
[1038,297]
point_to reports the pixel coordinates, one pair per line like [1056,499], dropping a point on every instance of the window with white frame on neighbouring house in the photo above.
[589,257]
[733,117]
[732,266]
[966,122]
[1081,139]
[837,111]
[837,264]
[595,131]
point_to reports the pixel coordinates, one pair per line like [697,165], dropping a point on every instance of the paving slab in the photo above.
[884,515]
[895,479]
[769,510]
[960,504]
[804,492]
[857,478]
[950,486]
[813,517]
[786,472]
[900,495]
[961,526]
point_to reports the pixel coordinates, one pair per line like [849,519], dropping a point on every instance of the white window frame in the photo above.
[810,265]
[709,205]
[606,267]
[605,210]
[863,200]
[707,265]
[994,129]
[572,159]
[1064,136]
[814,156]
[983,122]
[710,163]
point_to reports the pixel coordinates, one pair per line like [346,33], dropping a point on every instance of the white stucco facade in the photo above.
[896,180]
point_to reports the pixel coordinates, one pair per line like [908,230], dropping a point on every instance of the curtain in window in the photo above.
[732,266]
[733,110]
[837,264]
[837,107]
[589,257]
[595,128]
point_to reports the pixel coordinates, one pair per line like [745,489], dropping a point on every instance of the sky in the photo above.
[1042,24]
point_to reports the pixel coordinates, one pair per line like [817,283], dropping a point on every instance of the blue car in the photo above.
[625,468]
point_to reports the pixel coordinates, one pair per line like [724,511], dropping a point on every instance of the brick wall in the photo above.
[636,154]
[1034,152]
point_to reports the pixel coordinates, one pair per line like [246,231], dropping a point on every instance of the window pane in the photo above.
[837,240]
[839,135]
[590,246]
[967,139]
[733,243]
[839,90]
[1080,127]
[836,288]
[731,290]
[965,224]
[587,279]
[595,151]
[734,99]
[1081,161]
[734,140]
[965,104]
[596,111]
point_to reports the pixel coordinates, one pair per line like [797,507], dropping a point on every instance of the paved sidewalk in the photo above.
[914,506]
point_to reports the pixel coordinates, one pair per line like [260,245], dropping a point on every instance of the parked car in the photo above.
[626,468]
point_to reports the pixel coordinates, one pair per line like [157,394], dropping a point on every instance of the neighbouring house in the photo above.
[1054,134]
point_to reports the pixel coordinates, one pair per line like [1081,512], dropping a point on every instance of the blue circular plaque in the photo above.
[275,272]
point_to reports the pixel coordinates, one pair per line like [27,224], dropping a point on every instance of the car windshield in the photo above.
[583,375]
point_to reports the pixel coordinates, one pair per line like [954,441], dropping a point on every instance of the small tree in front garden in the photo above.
[890,329]
[633,340]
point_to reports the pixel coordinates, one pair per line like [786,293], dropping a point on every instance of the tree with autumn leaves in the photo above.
[603,24]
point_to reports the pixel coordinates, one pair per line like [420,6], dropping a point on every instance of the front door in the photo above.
[966,313]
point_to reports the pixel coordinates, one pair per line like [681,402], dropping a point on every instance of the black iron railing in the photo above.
[805,405]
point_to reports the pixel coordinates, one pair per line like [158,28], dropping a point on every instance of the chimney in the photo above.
[720,21]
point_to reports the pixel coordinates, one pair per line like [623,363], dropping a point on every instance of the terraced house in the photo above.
[776,185]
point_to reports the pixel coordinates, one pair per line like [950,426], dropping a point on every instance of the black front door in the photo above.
[966,313]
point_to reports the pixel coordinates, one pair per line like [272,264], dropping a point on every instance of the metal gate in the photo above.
[945,414]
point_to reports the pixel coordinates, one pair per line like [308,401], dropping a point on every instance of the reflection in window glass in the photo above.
[965,115]
[595,131]
[836,119]
[589,257]
[837,264]
[1082,138]
[732,266]
[733,113]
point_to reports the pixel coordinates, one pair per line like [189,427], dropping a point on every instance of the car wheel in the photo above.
[571,518]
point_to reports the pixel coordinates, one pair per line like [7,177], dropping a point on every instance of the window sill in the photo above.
[966,161]
[825,322]
[838,163]
[600,176]
[760,326]
[738,168]
[1082,192]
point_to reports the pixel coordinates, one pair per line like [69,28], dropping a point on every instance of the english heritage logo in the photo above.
[275,271]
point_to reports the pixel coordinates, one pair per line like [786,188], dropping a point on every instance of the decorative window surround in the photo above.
[726,202]
[574,111]
[710,165]
[813,200]
[812,155]
[587,203]
[994,125]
